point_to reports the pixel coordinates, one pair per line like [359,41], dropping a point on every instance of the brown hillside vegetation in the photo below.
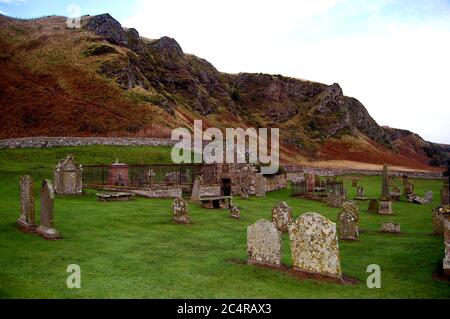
[104,80]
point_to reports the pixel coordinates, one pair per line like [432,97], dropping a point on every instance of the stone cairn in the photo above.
[264,244]
[374,206]
[314,245]
[282,216]
[26,220]
[390,228]
[347,221]
[234,212]
[46,228]
[385,202]
[180,211]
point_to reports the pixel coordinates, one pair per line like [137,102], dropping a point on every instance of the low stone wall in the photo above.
[48,142]
[296,172]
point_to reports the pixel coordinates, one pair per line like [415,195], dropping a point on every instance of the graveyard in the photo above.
[133,248]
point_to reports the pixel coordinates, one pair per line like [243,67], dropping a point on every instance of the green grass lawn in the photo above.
[133,250]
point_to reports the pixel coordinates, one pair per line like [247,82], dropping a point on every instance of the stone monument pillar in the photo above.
[385,202]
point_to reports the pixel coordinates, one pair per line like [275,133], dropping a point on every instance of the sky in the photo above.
[393,56]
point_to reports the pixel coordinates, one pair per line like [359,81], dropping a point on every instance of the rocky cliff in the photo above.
[106,79]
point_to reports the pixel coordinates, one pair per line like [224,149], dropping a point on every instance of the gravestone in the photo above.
[264,244]
[180,211]
[374,206]
[310,183]
[26,220]
[67,177]
[409,189]
[195,196]
[260,186]
[438,220]
[390,228]
[314,245]
[334,199]
[347,221]
[360,191]
[395,194]
[445,194]
[405,180]
[234,212]
[354,182]
[46,228]
[446,261]
[385,202]
[282,216]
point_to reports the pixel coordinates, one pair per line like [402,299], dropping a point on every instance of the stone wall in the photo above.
[48,142]
[296,172]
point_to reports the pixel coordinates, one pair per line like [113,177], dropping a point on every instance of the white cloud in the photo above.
[396,66]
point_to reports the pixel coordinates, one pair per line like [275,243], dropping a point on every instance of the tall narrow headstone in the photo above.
[282,216]
[260,185]
[385,202]
[46,228]
[26,220]
[445,194]
[314,245]
[310,183]
[446,261]
[195,197]
[264,244]
[347,221]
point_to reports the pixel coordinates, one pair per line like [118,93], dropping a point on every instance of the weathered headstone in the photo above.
[409,189]
[67,177]
[260,185]
[26,220]
[390,228]
[334,199]
[360,191]
[354,182]
[385,202]
[314,245]
[310,182]
[446,261]
[395,194]
[438,220]
[264,244]
[180,211]
[244,192]
[282,216]
[195,196]
[46,228]
[234,212]
[445,194]
[347,221]
[374,206]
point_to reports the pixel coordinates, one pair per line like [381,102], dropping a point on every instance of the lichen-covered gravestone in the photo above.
[390,228]
[234,212]
[195,197]
[334,199]
[46,228]
[314,245]
[282,216]
[264,244]
[347,221]
[446,261]
[26,220]
[180,211]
